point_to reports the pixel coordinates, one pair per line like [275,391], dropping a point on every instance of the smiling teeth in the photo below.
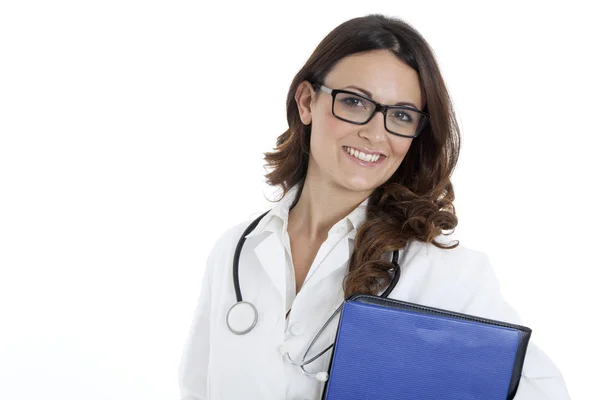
[362,156]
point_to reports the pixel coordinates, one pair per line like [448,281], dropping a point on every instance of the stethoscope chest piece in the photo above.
[242,317]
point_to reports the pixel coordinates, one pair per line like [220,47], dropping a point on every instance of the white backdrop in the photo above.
[131,137]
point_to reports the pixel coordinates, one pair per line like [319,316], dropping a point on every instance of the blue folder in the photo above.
[389,349]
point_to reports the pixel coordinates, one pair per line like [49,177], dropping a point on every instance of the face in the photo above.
[378,75]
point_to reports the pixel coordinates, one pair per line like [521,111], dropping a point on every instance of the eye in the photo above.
[402,116]
[353,102]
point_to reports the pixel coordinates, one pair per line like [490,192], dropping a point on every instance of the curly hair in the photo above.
[416,203]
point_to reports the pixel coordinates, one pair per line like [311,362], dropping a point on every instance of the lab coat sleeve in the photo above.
[193,367]
[540,378]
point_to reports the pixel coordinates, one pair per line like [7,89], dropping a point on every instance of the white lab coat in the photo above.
[217,364]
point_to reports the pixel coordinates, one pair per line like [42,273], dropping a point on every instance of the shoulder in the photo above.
[447,278]
[224,248]
[458,260]
[230,237]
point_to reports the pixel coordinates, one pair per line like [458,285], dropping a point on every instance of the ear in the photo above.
[304,97]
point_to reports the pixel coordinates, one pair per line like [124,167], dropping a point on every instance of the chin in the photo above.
[360,185]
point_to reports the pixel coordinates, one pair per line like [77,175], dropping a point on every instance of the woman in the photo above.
[358,184]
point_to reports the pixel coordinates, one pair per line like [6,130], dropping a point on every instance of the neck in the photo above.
[320,206]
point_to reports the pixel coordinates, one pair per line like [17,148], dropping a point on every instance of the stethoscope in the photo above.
[243,316]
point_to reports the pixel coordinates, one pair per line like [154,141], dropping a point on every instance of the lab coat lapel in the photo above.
[272,258]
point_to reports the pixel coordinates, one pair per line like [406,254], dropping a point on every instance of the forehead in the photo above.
[389,79]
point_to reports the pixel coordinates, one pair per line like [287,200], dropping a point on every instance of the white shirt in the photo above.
[217,364]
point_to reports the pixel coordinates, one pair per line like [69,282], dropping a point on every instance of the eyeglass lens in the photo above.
[359,110]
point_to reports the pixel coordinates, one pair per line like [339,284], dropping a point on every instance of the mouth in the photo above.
[365,159]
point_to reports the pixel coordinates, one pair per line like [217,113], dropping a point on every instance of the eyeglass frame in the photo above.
[378,107]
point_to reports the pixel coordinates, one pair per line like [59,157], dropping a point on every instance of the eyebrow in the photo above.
[400,103]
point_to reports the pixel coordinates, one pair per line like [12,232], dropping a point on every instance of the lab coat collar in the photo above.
[357,217]
[269,251]
[281,211]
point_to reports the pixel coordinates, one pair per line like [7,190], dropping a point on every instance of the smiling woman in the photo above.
[372,69]
[365,170]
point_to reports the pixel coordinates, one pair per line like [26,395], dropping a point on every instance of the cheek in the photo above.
[334,128]
[327,132]
[400,148]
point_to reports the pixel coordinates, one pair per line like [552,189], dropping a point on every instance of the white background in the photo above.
[131,137]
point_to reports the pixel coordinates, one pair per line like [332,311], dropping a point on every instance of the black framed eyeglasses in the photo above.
[405,121]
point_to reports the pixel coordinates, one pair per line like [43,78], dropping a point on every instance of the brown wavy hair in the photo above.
[416,202]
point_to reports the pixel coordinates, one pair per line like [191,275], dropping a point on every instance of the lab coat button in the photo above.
[297,329]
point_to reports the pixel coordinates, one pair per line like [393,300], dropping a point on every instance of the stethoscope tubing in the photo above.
[385,294]
[236,257]
[239,298]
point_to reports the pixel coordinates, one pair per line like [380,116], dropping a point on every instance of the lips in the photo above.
[368,160]
[365,156]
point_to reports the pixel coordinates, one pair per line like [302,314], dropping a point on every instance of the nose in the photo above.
[374,130]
